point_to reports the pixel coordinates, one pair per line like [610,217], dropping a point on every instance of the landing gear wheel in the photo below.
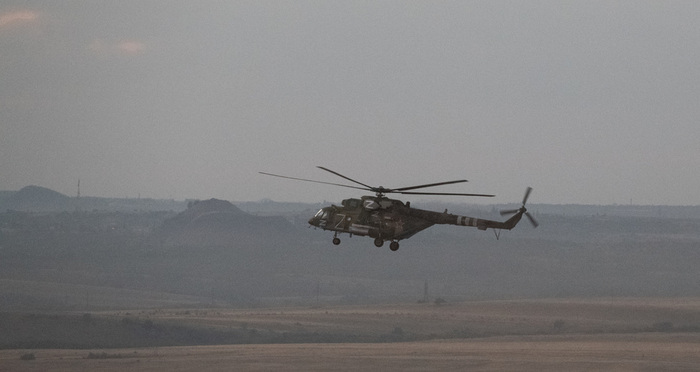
[379,242]
[394,246]
[336,241]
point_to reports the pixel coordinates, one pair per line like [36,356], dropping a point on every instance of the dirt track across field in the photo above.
[639,352]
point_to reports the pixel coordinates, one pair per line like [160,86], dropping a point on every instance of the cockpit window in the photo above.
[351,203]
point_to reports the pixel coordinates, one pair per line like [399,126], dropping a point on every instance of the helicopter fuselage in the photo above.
[386,219]
[389,219]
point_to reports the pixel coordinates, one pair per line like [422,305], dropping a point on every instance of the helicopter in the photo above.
[392,220]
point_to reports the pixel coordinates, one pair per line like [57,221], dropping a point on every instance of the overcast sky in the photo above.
[593,102]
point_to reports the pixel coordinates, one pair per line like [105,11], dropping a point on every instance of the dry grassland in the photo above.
[525,335]
[650,352]
[467,319]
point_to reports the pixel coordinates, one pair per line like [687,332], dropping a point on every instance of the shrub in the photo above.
[662,327]
[558,325]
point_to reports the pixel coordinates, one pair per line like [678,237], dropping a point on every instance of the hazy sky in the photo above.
[594,102]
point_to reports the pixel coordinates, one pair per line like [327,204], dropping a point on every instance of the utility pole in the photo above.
[425,291]
[77,198]
[318,290]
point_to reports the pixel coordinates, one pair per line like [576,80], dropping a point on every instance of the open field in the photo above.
[471,319]
[537,335]
[639,352]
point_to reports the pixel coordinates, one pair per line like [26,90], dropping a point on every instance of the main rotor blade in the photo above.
[442,193]
[428,185]
[348,178]
[304,179]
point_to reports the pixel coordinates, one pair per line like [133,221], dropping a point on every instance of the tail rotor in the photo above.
[522,210]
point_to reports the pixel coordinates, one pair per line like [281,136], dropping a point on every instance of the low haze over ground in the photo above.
[588,102]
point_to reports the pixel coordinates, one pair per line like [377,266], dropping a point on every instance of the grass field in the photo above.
[625,334]
[639,352]
[465,319]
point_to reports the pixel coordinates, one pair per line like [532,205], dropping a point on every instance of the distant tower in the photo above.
[425,291]
[318,290]
[77,198]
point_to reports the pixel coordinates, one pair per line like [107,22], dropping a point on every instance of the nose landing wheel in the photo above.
[336,241]
[378,242]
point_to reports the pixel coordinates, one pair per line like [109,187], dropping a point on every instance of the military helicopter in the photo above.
[386,219]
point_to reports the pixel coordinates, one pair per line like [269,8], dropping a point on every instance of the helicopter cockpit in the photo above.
[320,219]
[351,203]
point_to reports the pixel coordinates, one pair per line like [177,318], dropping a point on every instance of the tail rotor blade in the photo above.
[522,209]
[510,211]
[527,195]
[532,219]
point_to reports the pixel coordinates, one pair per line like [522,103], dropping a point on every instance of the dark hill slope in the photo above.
[217,222]
[214,247]
[37,199]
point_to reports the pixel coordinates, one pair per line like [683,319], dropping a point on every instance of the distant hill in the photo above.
[5,195]
[214,250]
[37,199]
[199,210]
[218,222]
[42,199]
